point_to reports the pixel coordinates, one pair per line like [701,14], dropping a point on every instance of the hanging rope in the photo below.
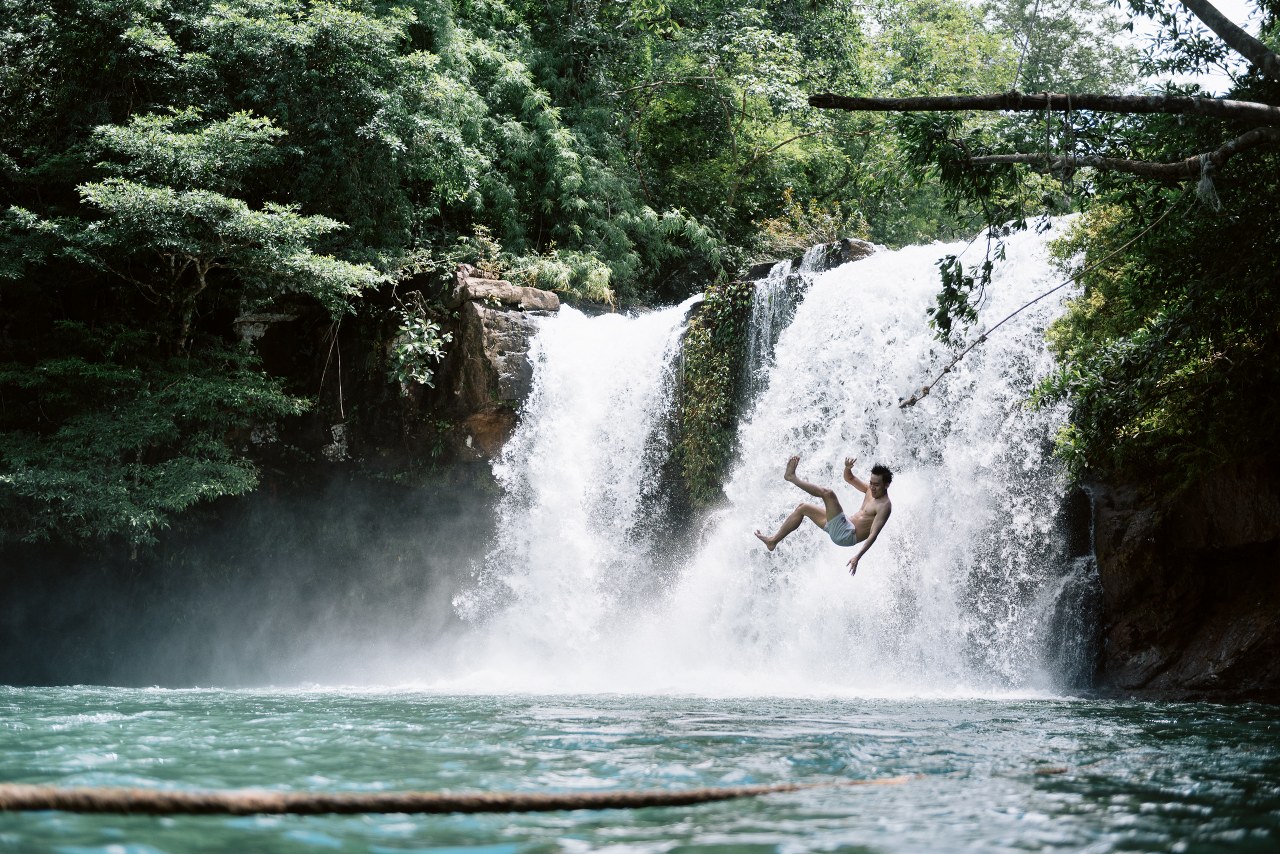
[1026,46]
[1048,118]
[15,797]
[1204,188]
[1068,145]
[924,390]
[335,329]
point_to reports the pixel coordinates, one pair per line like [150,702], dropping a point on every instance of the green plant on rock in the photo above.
[575,275]
[714,348]
[416,349]
[802,225]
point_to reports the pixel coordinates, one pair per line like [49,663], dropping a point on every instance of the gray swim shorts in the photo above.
[841,532]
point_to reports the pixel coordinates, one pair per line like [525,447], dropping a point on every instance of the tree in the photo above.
[166,166]
[1167,355]
[166,224]
[120,430]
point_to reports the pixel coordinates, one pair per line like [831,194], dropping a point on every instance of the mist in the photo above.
[328,584]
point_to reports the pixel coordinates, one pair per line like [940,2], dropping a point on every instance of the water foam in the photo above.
[578,594]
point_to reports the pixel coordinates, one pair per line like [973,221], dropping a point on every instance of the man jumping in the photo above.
[863,527]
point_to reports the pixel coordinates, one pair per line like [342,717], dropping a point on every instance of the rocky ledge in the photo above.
[487,373]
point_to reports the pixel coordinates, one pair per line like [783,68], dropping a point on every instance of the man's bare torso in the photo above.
[866,515]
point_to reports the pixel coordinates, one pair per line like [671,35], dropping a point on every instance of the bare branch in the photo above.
[1021,102]
[785,142]
[695,82]
[1235,38]
[1182,170]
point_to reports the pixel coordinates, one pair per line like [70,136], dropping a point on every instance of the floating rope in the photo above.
[16,797]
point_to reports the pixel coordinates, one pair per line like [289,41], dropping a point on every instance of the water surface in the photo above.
[986,774]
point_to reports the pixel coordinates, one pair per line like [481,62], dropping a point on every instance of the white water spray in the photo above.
[578,595]
[575,537]
[773,305]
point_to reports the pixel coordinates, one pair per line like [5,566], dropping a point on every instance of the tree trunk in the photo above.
[1235,38]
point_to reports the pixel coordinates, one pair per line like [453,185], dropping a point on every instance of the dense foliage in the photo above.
[711,374]
[167,166]
[1168,356]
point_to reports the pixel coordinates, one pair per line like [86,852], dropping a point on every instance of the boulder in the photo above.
[839,252]
[756,272]
[473,288]
[487,375]
[495,370]
[828,256]
[853,249]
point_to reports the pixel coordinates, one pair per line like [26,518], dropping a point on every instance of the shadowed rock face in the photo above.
[1191,589]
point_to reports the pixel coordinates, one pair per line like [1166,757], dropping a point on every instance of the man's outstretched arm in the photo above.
[850,477]
[881,518]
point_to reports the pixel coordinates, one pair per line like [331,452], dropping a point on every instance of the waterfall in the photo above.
[578,594]
[580,481]
[773,304]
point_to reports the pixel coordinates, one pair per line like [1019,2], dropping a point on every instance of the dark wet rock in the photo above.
[853,249]
[823,257]
[840,252]
[1190,591]
[493,366]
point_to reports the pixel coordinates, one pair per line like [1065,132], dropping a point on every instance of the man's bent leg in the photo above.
[826,493]
[814,513]
[831,504]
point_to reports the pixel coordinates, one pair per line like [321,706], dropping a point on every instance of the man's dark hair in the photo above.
[884,472]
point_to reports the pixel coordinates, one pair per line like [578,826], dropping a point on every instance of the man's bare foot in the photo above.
[769,542]
[790,475]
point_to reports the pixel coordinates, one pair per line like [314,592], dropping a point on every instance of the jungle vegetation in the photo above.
[168,166]
[1168,357]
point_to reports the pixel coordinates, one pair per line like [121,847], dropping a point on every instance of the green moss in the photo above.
[714,349]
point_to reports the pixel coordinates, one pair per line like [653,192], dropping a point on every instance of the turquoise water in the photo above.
[986,774]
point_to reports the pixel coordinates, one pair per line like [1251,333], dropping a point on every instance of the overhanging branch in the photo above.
[1235,38]
[1182,170]
[1249,111]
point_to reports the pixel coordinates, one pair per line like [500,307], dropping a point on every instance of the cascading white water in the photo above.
[952,598]
[579,479]
[773,305]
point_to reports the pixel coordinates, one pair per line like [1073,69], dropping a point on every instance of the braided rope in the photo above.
[16,797]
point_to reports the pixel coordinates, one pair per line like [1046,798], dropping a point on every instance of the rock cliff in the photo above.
[1190,588]
[487,373]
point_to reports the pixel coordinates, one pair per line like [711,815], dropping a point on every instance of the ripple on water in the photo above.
[984,775]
